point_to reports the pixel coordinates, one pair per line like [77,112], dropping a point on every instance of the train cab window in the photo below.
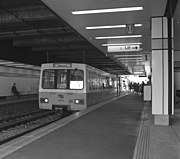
[76,79]
[61,79]
[48,79]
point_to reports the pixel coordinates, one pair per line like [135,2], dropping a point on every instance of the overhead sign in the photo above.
[123,48]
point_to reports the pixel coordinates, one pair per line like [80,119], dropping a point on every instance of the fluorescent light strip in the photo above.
[137,25]
[127,55]
[106,27]
[112,10]
[24,66]
[126,61]
[130,58]
[117,37]
[110,26]
[3,63]
[131,61]
[14,64]
[121,44]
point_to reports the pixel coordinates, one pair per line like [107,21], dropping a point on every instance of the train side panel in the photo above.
[99,96]
[96,89]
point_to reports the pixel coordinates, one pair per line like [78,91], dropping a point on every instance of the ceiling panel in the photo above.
[151,8]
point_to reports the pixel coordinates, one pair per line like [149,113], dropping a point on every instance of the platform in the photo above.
[21,98]
[119,129]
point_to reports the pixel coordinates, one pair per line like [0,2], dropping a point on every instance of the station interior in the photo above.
[135,40]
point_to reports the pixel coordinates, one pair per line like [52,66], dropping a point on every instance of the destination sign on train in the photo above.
[62,65]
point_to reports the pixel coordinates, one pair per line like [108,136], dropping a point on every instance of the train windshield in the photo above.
[63,79]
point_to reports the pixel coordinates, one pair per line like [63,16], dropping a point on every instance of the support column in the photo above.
[162,72]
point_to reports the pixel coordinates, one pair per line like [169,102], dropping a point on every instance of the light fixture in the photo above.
[106,27]
[5,62]
[118,37]
[121,44]
[138,58]
[110,26]
[131,61]
[137,25]
[14,64]
[128,55]
[24,66]
[111,10]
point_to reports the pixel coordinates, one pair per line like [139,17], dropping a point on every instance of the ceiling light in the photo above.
[138,58]
[5,62]
[112,10]
[137,25]
[15,64]
[127,55]
[106,27]
[130,61]
[24,66]
[110,26]
[118,37]
[121,44]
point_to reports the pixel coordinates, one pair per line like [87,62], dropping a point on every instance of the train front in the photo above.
[62,86]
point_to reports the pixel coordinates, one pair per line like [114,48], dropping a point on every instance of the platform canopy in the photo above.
[111,35]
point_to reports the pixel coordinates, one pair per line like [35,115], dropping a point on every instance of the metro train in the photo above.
[27,80]
[73,86]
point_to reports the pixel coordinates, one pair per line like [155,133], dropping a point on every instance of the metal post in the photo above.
[84,55]
[117,86]
[47,56]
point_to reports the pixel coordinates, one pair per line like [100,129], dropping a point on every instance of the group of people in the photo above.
[137,87]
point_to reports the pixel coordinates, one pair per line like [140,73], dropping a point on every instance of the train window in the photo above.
[90,80]
[76,79]
[61,79]
[48,79]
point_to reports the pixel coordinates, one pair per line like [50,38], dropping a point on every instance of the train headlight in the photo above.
[44,100]
[79,101]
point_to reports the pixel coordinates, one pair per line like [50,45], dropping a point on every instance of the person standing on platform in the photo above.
[14,90]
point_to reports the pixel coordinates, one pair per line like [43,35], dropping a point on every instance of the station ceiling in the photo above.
[40,31]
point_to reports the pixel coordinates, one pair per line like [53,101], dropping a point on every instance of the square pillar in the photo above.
[161,64]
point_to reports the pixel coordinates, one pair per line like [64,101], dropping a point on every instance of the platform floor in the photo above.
[116,129]
[21,98]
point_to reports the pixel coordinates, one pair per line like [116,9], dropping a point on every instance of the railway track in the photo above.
[13,127]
